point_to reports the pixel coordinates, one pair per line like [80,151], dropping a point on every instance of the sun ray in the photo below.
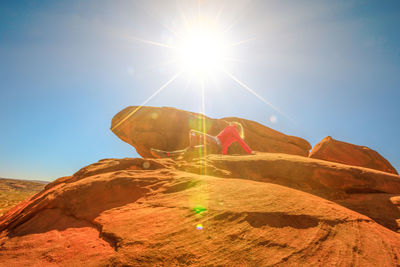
[125,36]
[182,14]
[150,42]
[156,15]
[236,20]
[147,100]
[198,8]
[203,111]
[179,36]
[243,41]
[233,59]
[257,95]
[222,6]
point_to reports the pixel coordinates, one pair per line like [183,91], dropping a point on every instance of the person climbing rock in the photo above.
[219,144]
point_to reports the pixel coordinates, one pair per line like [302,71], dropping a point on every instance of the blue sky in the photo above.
[67,67]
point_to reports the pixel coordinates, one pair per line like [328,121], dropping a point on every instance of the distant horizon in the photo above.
[309,69]
[26,180]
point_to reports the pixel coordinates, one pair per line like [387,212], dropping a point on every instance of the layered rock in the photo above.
[267,209]
[342,152]
[168,129]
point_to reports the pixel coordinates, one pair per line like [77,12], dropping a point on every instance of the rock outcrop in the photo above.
[267,209]
[346,153]
[168,129]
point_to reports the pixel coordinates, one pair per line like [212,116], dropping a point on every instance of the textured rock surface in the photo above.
[267,209]
[168,129]
[342,152]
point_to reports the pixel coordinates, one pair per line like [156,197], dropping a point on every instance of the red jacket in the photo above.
[230,135]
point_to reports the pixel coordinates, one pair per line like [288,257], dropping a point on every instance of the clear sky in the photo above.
[67,67]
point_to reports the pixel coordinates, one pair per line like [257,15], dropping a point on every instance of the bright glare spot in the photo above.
[273,119]
[202,49]
[146,165]
[199,226]
[154,115]
[199,209]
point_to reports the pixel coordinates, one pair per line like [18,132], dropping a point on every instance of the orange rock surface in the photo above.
[342,152]
[168,129]
[267,209]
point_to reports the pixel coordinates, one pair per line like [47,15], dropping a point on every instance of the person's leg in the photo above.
[191,138]
[199,138]
[157,153]
[197,142]
[210,139]
[195,138]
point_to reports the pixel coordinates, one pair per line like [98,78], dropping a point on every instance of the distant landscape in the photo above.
[13,191]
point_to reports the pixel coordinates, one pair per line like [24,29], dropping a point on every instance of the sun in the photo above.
[202,48]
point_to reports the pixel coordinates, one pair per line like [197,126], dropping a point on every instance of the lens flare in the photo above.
[273,119]
[145,102]
[203,49]
[146,165]
[199,209]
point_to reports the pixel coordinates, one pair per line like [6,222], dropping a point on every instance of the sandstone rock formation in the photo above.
[168,129]
[268,209]
[342,152]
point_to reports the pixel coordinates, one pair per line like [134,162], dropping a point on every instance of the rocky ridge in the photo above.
[210,211]
[268,209]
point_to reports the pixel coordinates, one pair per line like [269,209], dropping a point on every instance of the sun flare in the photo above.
[199,48]
[202,49]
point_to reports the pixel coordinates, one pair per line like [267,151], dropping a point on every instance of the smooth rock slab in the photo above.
[168,129]
[337,151]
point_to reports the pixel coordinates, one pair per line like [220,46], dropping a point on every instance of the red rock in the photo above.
[254,210]
[267,209]
[168,129]
[346,153]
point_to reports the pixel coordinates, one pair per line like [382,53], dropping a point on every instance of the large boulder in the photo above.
[168,129]
[267,209]
[346,153]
